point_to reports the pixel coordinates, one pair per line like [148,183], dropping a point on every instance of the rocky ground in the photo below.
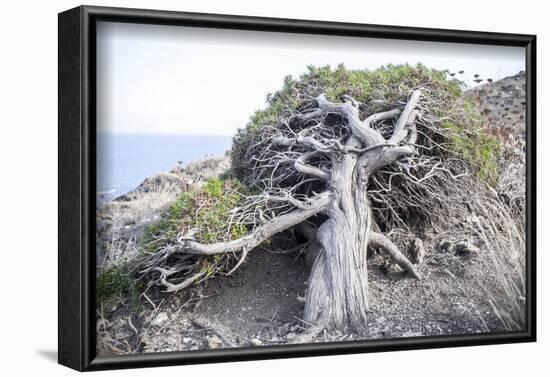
[502,104]
[262,302]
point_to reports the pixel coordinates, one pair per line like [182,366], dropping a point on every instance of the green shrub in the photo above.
[391,84]
[480,150]
[117,283]
[206,212]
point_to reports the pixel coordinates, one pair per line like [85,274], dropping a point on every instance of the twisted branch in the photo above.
[381,241]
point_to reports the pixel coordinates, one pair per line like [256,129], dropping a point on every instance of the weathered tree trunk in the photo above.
[338,284]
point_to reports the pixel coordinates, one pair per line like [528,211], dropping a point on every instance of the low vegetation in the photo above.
[205,215]
[116,284]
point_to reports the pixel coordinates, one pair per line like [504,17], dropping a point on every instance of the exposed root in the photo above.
[385,244]
[309,335]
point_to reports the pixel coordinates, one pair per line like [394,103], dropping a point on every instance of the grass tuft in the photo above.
[115,283]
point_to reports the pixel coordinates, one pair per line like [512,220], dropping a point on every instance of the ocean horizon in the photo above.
[124,160]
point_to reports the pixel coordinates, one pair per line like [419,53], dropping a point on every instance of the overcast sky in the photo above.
[182,80]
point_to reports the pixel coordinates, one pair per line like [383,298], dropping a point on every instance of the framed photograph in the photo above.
[238,188]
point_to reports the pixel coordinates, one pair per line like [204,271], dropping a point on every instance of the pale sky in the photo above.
[183,80]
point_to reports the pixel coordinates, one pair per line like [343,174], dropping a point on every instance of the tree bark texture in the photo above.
[338,285]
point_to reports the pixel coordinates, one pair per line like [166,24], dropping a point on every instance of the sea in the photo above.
[125,160]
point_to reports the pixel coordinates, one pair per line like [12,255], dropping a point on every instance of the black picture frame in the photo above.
[77,182]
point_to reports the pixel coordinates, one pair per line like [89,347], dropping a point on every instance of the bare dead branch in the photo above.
[258,235]
[384,243]
[302,167]
[406,118]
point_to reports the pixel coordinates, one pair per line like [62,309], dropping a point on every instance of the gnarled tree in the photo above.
[360,152]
